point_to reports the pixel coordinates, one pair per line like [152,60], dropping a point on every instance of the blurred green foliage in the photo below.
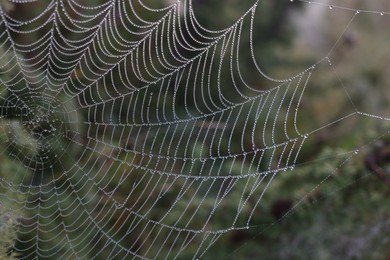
[9,212]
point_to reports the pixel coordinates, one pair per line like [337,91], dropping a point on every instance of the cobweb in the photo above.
[137,128]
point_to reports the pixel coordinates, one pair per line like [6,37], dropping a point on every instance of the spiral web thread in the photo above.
[111,167]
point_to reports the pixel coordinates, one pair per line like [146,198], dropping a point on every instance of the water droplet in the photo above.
[382,13]
[331,7]
[357,11]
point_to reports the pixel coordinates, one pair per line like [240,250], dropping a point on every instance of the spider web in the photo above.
[137,128]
